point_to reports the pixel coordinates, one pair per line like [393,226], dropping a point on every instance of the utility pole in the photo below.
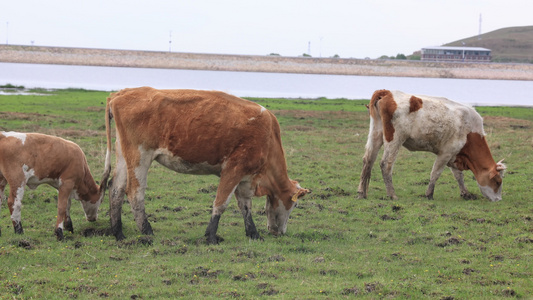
[479,33]
[170,42]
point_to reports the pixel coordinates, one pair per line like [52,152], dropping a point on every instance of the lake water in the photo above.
[255,84]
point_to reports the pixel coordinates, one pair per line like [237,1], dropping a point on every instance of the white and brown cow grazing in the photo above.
[32,159]
[199,132]
[453,131]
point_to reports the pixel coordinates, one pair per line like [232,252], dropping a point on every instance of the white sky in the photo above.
[353,28]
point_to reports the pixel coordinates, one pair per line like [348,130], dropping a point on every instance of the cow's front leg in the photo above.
[436,171]
[458,174]
[228,184]
[244,194]
[14,203]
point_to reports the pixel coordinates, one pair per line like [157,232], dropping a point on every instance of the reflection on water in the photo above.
[253,84]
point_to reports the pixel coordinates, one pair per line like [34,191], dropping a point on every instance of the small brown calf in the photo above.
[32,159]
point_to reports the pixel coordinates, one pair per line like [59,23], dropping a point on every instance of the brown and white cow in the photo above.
[32,159]
[453,131]
[199,132]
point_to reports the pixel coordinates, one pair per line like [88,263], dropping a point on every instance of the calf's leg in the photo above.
[14,203]
[62,206]
[68,221]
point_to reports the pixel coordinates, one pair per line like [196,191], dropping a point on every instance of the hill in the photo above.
[512,44]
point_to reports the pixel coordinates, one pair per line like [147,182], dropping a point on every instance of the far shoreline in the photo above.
[256,63]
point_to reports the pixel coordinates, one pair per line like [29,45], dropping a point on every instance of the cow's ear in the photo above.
[299,194]
[493,173]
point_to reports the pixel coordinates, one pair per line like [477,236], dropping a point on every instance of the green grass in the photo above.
[336,246]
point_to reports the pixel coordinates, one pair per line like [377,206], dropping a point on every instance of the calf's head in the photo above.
[490,182]
[91,204]
[279,206]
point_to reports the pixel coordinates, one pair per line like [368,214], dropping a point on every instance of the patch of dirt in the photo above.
[310,114]
[372,287]
[350,291]
[389,218]
[276,258]
[207,273]
[270,292]
[95,108]
[504,122]
[24,243]
[90,232]
[450,241]
[526,240]
[244,277]
[302,128]
[143,240]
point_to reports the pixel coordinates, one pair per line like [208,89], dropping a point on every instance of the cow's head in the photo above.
[279,207]
[490,182]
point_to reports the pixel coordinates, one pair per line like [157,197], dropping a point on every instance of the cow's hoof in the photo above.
[255,236]
[59,234]
[361,195]
[468,196]
[68,225]
[147,228]
[18,228]
[214,240]
[119,236]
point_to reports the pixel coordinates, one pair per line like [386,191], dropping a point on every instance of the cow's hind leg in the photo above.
[117,191]
[387,162]
[228,183]
[135,190]
[244,194]
[373,144]
[3,183]
[458,174]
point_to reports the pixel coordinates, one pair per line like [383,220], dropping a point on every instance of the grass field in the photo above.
[336,245]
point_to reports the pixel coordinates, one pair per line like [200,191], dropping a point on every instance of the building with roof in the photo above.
[464,54]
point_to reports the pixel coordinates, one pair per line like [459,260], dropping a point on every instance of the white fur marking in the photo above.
[489,193]
[262,108]
[17,206]
[18,135]
[28,173]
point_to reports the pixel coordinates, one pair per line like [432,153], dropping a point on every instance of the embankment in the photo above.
[274,64]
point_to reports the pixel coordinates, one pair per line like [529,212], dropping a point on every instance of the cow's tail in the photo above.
[373,107]
[107,167]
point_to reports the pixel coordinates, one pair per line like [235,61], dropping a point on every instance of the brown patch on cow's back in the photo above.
[415,104]
[383,101]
